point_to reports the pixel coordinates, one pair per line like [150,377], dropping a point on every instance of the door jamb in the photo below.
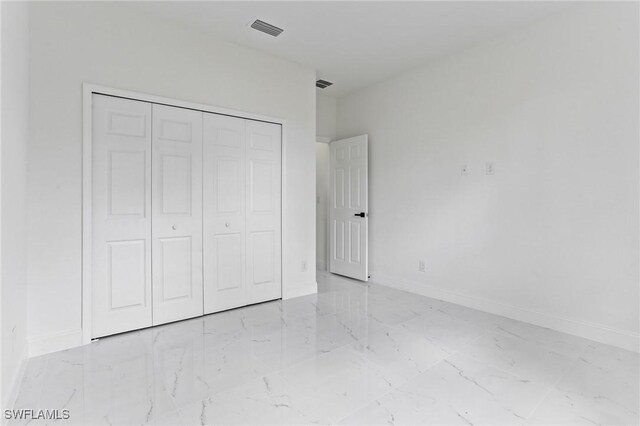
[88,89]
[327,141]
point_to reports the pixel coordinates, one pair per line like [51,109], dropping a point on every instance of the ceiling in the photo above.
[356,43]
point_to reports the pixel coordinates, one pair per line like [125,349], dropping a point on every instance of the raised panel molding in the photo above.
[126,124]
[339,249]
[176,184]
[176,268]
[354,239]
[262,200]
[261,142]
[229,137]
[228,185]
[229,261]
[355,200]
[338,188]
[262,246]
[354,152]
[177,131]
[126,274]
[126,183]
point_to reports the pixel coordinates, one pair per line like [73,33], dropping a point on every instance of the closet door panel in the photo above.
[121,215]
[224,212]
[177,214]
[263,159]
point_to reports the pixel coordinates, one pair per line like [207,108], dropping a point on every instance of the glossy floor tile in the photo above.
[351,354]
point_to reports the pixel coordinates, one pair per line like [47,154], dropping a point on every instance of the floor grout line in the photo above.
[395,388]
[552,387]
[371,369]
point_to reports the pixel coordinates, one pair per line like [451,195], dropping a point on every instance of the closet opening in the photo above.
[182,211]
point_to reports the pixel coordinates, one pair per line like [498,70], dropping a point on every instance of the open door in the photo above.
[349,208]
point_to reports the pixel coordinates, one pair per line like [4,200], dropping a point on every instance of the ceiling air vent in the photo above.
[323,84]
[266,28]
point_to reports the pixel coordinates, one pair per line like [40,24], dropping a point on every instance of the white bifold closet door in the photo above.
[177,214]
[185,213]
[242,192]
[224,212]
[263,163]
[121,215]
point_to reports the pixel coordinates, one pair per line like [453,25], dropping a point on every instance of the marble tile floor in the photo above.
[351,354]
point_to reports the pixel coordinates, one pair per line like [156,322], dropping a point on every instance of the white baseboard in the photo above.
[321,265]
[72,338]
[599,333]
[14,388]
[299,290]
[55,342]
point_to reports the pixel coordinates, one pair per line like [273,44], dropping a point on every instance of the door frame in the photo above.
[88,90]
[326,141]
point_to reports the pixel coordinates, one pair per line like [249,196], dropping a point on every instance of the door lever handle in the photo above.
[361,214]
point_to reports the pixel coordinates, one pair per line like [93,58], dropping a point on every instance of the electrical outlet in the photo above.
[303,266]
[489,169]
[421,266]
[464,170]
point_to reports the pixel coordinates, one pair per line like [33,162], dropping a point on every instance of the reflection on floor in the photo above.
[352,354]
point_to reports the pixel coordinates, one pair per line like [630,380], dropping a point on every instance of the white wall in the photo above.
[322,185]
[112,45]
[326,116]
[552,237]
[326,109]
[15,131]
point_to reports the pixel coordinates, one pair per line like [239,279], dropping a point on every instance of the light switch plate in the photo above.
[489,168]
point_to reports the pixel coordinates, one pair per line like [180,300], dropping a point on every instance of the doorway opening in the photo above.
[322,197]
[342,207]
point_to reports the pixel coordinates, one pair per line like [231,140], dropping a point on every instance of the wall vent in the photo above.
[266,28]
[323,84]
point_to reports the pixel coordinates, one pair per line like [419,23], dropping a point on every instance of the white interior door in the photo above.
[349,208]
[121,215]
[177,214]
[224,212]
[263,227]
